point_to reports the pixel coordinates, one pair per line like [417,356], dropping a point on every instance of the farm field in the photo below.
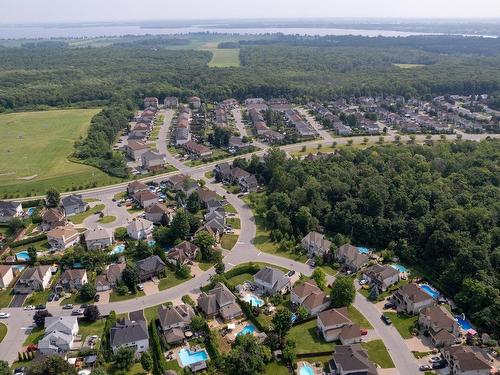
[35,150]
[222,57]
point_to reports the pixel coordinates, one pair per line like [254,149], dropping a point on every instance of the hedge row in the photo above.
[315,354]
[247,268]
[26,241]
[247,310]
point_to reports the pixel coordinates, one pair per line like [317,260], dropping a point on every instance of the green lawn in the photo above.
[38,298]
[404,323]
[209,175]
[222,57]
[329,270]
[89,329]
[228,241]
[107,219]
[36,335]
[115,297]
[5,297]
[307,338]
[91,200]
[79,218]
[151,313]
[377,352]
[205,265]
[74,299]
[42,245]
[3,331]
[229,208]
[173,365]
[39,144]
[409,66]
[276,368]
[234,222]
[170,281]
[387,293]
[358,318]
[240,279]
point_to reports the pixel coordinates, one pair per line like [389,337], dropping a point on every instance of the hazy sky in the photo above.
[38,11]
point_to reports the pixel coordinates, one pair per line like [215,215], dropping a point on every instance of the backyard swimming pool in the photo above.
[118,249]
[151,243]
[306,370]
[363,250]
[188,357]
[429,290]
[23,256]
[253,300]
[463,323]
[399,267]
[247,330]
[30,210]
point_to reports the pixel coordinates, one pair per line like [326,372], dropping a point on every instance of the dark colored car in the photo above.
[389,305]
[20,370]
[84,305]
[40,307]
[51,297]
[439,365]
[97,297]
[386,320]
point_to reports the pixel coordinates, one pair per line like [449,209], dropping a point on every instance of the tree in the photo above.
[15,225]
[282,322]
[302,312]
[247,357]
[183,271]
[319,276]
[220,268]
[4,368]
[98,371]
[198,323]
[121,290]
[88,291]
[121,233]
[91,313]
[124,358]
[32,254]
[53,198]
[205,242]
[39,317]
[130,277]
[51,365]
[193,202]
[289,353]
[180,228]
[373,296]
[146,361]
[343,291]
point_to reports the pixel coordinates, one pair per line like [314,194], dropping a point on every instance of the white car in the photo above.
[4,315]
[29,307]
[363,281]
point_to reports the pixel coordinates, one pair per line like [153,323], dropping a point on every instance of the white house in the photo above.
[61,238]
[10,210]
[140,229]
[99,238]
[381,276]
[129,334]
[6,276]
[411,299]
[60,333]
[272,281]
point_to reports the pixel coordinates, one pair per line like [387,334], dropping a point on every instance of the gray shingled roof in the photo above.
[126,332]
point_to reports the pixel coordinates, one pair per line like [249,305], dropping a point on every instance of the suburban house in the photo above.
[272,281]
[33,279]
[10,210]
[219,301]
[61,238]
[196,150]
[173,320]
[99,238]
[145,198]
[150,101]
[183,253]
[158,213]
[316,244]
[136,186]
[110,278]
[150,267]
[140,229]
[176,182]
[225,172]
[153,161]
[60,333]
[467,360]
[171,102]
[6,275]
[73,204]
[411,299]
[309,295]
[206,195]
[335,324]
[52,218]
[73,279]
[129,334]
[194,102]
[440,325]
[136,149]
[351,257]
[351,360]
[381,276]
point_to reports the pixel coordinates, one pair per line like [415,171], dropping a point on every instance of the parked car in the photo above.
[51,297]
[435,359]
[20,370]
[439,365]
[386,320]
[29,307]
[40,307]
[140,287]
[363,281]
[68,306]
[425,368]
[97,297]
[389,305]
[4,315]
[77,312]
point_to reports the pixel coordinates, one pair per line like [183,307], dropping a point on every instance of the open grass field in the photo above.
[222,57]
[35,150]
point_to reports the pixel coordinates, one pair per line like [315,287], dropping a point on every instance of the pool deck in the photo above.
[186,346]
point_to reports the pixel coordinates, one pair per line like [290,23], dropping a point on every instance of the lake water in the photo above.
[92,31]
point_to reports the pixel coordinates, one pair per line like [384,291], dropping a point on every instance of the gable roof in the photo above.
[97,234]
[304,289]
[353,358]
[381,272]
[469,358]
[127,331]
[152,263]
[4,269]
[35,273]
[174,315]
[183,252]
[144,195]
[137,185]
[60,323]
[157,208]
[136,146]
[316,299]
[73,200]
[8,208]
[52,215]
[65,232]
[413,293]
[318,239]
[334,317]
[73,275]
[352,254]
[439,317]
[272,276]
[139,224]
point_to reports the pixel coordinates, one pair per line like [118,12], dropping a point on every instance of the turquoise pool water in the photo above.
[23,255]
[151,243]
[363,250]
[253,300]
[306,370]
[30,210]
[247,330]
[463,323]
[400,267]
[429,290]
[188,357]
[118,249]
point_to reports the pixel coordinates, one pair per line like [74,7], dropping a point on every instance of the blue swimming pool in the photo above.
[306,370]
[23,256]
[188,357]
[363,250]
[30,210]
[151,243]
[78,265]
[463,323]
[118,249]
[247,330]
[399,267]
[294,318]
[253,300]
[429,290]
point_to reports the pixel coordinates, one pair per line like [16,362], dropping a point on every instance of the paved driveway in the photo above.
[150,288]
[18,300]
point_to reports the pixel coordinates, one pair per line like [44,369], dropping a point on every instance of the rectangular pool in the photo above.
[400,268]
[188,357]
[363,250]
[429,290]
[463,323]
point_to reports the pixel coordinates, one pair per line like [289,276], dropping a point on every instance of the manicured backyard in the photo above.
[404,323]
[5,297]
[378,353]
[307,338]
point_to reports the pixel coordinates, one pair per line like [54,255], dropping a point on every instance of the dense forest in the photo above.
[437,208]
